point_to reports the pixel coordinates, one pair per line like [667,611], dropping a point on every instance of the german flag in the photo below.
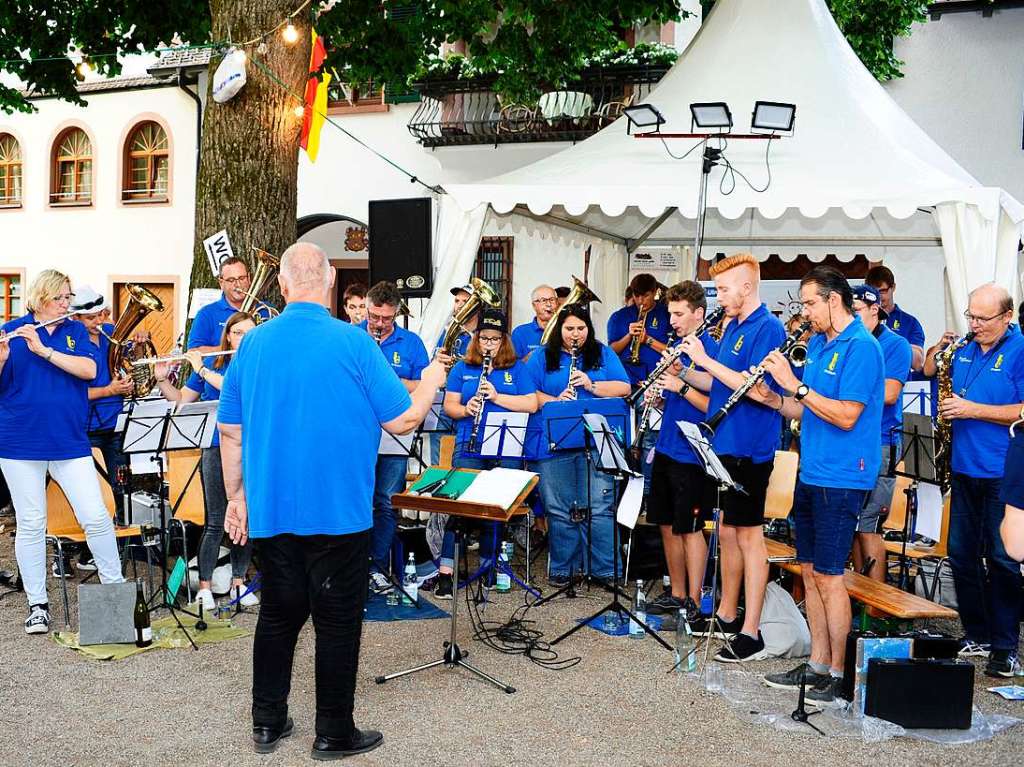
[315,99]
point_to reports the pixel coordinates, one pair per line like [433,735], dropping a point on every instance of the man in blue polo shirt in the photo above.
[526,337]
[902,323]
[624,328]
[407,356]
[746,442]
[208,325]
[1012,494]
[445,425]
[988,389]
[839,404]
[300,418]
[868,543]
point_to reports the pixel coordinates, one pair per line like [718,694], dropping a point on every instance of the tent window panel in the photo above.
[494,266]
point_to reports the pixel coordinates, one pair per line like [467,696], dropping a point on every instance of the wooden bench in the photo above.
[881,596]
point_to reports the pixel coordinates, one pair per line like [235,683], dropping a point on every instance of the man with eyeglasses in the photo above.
[526,337]
[407,356]
[208,326]
[900,322]
[988,392]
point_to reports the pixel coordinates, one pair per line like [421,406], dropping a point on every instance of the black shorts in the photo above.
[745,510]
[678,495]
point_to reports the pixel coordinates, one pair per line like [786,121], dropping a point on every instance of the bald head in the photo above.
[306,274]
[993,296]
[990,312]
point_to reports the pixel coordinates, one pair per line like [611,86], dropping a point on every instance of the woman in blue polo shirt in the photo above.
[564,475]
[507,388]
[204,385]
[44,379]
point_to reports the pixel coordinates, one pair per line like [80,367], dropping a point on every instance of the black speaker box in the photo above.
[400,245]
[927,644]
[932,694]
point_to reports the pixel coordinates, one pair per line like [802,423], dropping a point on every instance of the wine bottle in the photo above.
[143,629]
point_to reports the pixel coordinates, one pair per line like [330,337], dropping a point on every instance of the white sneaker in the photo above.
[247,600]
[38,621]
[205,598]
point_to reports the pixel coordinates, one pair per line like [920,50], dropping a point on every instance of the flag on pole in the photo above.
[315,99]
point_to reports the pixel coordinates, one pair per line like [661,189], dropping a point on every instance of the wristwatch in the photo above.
[801,391]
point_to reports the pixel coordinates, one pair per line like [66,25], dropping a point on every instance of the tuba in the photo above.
[267,265]
[123,351]
[580,294]
[482,294]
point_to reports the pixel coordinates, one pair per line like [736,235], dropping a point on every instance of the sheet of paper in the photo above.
[917,397]
[143,463]
[436,409]
[702,447]
[632,499]
[503,434]
[610,455]
[654,419]
[202,297]
[145,426]
[192,425]
[395,444]
[929,511]
[499,487]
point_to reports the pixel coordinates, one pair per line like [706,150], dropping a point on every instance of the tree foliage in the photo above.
[870,26]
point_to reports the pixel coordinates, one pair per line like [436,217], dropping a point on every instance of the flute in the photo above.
[177,357]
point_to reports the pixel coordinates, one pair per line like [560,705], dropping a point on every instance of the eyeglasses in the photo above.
[239,333]
[489,339]
[64,297]
[382,318]
[981,320]
[545,300]
[234,280]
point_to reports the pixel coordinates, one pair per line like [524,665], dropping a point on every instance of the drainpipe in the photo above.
[199,113]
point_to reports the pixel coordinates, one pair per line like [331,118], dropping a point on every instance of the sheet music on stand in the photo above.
[144,433]
[503,435]
[712,464]
[611,456]
[917,398]
[192,425]
[396,444]
[436,413]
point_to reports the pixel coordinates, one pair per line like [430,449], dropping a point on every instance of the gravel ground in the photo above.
[183,707]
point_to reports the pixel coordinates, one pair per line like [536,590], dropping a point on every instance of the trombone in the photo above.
[180,357]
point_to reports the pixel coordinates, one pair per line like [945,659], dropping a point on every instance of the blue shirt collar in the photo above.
[305,307]
[754,316]
[855,328]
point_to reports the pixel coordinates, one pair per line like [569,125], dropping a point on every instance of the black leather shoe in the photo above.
[325,748]
[266,739]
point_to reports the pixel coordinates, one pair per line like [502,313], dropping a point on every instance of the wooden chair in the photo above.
[781,485]
[62,526]
[187,502]
[938,553]
[447,451]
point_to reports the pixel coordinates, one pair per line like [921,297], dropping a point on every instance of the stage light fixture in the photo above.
[643,116]
[711,114]
[773,116]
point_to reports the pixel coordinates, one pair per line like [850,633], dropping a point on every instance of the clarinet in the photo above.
[791,348]
[573,354]
[485,371]
[673,355]
[643,424]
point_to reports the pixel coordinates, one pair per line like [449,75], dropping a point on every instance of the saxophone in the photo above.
[943,427]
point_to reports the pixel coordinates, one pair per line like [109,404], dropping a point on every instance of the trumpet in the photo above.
[793,348]
[485,371]
[670,358]
[180,357]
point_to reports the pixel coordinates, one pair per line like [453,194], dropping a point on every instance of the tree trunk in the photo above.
[249,160]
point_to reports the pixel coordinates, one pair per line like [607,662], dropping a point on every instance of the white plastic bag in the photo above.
[229,78]
[783,626]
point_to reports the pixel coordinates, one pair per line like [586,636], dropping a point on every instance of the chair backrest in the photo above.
[781,485]
[942,545]
[447,451]
[898,505]
[60,517]
[184,478]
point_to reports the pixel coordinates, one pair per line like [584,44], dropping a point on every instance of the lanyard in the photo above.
[972,378]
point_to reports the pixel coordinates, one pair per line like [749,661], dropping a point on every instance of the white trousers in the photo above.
[77,477]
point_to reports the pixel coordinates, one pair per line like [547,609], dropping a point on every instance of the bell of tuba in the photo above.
[580,294]
[267,265]
[123,351]
[482,294]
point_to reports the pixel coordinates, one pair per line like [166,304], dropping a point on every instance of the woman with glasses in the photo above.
[596,371]
[44,404]
[204,385]
[472,395]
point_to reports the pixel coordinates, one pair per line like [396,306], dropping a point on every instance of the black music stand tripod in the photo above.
[413,450]
[919,465]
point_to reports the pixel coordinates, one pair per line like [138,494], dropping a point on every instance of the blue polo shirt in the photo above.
[896,353]
[404,351]
[311,393]
[849,367]
[671,441]
[103,412]
[207,392]
[43,410]
[750,430]
[526,337]
[657,327]
[905,324]
[553,383]
[208,326]
[461,343]
[465,379]
[995,377]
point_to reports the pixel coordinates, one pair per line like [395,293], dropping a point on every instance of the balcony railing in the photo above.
[461,112]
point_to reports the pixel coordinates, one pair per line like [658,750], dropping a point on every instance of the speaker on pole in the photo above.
[400,245]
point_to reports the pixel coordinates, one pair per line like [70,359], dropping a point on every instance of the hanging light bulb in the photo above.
[290,34]
[241,56]
[84,69]
[299,111]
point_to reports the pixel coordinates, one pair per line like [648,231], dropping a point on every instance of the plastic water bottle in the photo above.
[684,645]
[410,583]
[502,581]
[636,631]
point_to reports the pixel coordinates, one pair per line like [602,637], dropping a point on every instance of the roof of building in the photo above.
[186,58]
[106,85]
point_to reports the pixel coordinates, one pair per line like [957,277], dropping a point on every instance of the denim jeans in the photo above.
[563,484]
[323,576]
[216,502]
[109,444]
[825,519]
[490,531]
[988,582]
[390,479]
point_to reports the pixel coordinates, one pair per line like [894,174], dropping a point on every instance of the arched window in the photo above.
[10,170]
[72,168]
[146,163]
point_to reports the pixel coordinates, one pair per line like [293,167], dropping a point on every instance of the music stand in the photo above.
[152,428]
[611,460]
[919,465]
[406,446]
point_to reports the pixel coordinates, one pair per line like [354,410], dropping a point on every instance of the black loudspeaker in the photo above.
[400,245]
[933,694]
[927,645]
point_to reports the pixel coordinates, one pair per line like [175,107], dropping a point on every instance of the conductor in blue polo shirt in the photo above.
[839,404]
[405,353]
[988,390]
[208,325]
[300,418]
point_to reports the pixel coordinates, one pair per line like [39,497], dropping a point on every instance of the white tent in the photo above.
[856,171]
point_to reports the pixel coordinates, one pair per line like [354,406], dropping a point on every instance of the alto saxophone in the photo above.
[943,426]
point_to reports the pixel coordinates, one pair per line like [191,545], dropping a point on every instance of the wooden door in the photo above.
[159,324]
